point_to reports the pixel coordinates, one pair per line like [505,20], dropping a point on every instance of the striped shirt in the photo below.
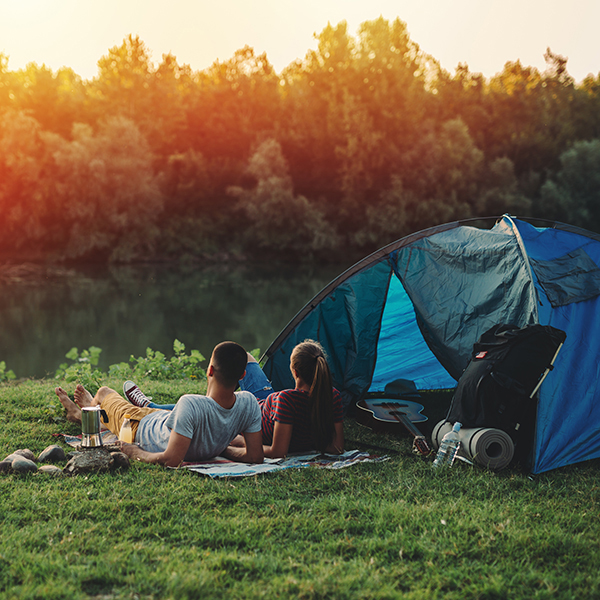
[292,407]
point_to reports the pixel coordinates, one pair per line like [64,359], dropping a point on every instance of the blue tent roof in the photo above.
[414,309]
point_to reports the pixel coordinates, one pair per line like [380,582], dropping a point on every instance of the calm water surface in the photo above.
[125,310]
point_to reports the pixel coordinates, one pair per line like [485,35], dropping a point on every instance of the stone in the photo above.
[94,460]
[23,465]
[28,454]
[121,460]
[52,454]
[50,470]
[11,457]
[5,466]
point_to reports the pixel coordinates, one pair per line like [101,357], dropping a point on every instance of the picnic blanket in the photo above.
[223,467]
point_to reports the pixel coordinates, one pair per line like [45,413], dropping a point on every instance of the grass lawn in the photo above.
[384,530]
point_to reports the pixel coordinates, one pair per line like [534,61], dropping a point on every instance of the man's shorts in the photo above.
[117,407]
[256,382]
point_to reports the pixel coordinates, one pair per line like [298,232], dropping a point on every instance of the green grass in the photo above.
[382,530]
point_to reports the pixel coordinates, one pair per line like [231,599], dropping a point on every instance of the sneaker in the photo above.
[135,395]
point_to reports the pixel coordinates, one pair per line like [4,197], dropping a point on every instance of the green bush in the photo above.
[4,374]
[84,369]
[155,365]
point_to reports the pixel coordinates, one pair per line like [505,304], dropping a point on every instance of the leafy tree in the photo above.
[277,220]
[574,195]
[352,108]
[438,180]
[199,217]
[24,208]
[5,83]
[54,100]
[444,164]
[313,92]
[170,85]
[129,85]
[123,82]
[110,199]
[465,96]
[586,109]
[500,191]
[233,103]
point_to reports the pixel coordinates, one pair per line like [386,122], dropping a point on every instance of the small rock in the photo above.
[23,465]
[52,453]
[50,470]
[121,460]
[95,460]
[27,453]
[5,466]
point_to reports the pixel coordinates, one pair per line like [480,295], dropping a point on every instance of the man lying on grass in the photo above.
[198,428]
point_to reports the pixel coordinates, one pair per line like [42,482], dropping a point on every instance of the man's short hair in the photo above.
[229,361]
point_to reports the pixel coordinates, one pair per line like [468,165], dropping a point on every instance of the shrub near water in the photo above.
[155,365]
[4,374]
[383,530]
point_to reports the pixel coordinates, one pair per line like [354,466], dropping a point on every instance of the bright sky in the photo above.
[485,34]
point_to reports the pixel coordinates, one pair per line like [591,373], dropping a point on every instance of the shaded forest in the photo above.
[363,141]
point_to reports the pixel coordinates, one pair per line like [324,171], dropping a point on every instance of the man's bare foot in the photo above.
[73,411]
[83,397]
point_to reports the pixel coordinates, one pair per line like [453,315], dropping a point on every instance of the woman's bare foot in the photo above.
[73,411]
[83,397]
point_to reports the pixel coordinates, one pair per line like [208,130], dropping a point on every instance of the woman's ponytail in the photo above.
[310,363]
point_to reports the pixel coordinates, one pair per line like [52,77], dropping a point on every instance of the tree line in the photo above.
[364,140]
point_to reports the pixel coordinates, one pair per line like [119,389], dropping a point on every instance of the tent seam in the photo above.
[521,245]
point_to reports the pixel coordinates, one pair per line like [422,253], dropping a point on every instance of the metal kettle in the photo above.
[90,426]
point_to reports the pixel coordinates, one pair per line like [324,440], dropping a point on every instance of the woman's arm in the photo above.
[337,445]
[282,436]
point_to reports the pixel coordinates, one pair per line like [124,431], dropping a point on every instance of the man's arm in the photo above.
[252,452]
[172,457]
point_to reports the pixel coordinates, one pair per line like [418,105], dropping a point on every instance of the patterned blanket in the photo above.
[222,467]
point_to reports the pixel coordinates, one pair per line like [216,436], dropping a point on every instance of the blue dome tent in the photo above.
[413,310]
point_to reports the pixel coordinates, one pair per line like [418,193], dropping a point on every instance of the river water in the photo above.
[126,309]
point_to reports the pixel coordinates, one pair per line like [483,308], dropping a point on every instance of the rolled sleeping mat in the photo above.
[491,448]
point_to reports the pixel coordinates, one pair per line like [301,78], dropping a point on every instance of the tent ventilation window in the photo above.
[573,277]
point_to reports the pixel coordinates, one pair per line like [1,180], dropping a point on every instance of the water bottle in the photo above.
[448,448]
[125,433]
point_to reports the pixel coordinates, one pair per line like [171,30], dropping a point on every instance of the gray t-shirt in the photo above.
[210,427]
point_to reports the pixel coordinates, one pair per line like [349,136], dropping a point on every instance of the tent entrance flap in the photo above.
[461,283]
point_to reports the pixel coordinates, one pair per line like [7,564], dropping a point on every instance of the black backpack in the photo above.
[496,388]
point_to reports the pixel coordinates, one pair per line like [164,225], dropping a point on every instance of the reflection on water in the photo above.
[125,310]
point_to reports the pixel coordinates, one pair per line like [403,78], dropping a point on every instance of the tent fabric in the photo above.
[570,278]
[414,309]
[346,322]
[461,277]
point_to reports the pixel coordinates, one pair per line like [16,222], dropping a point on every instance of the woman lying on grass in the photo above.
[307,417]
